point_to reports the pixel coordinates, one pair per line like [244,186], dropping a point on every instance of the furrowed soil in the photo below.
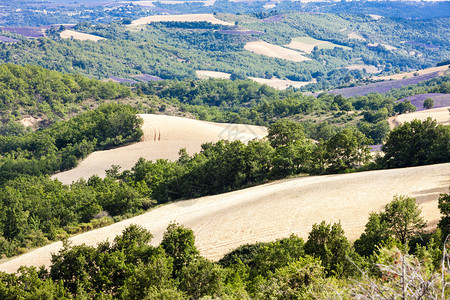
[275,210]
[163,138]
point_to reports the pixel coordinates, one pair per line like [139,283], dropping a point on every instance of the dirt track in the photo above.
[275,210]
[163,137]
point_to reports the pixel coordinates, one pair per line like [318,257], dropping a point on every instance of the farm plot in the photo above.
[368,68]
[266,49]
[203,74]
[439,100]
[281,84]
[441,115]
[70,34]
[441,70]
[180,18]
[382,87]
[163,137]
[307,44]
[275,210]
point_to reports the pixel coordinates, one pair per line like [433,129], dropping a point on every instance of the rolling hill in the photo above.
[275,210]
[163,137]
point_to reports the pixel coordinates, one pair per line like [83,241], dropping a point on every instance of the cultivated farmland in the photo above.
[441,115]
[440,100]
[307,44]
[163,137]
[264,48]
[70,34]
[275,210]
[180,18]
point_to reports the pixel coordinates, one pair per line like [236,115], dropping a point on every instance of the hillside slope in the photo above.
[275,210]
[440,114]
[163,138]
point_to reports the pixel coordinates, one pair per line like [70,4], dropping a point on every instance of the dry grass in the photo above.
[180,18]
[369,69]
[275,210]
[68,34]
[441,115]
[307,44]
[440,69]
[163,137]
[388,47]
[203,74]
[281,84]
[264,48]
[356,36]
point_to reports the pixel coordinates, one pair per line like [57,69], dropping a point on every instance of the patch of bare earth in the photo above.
[180,18]
[276,210]
[281,84]
[441,115]
[68,34]
[163,137]
[266,49]
[440,69]
[368,68]
[355,36]
[203,74]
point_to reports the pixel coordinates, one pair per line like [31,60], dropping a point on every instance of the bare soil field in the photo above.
[307,44]
[276,83]
[369,69]
[264,48]
[356,36]
[163,137]
[180,18]
[67,34]
[203,74]
[441,115]
[440,69]
[281,84]
[275,210]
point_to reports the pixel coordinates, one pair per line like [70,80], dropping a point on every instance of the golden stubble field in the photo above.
[275,210]
[68,34]
[163,137]
[440,114]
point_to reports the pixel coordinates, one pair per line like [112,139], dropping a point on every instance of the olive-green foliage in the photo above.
[400,220]
[34,90]
[328,243]
[417,143]
[444,208]
[60,146]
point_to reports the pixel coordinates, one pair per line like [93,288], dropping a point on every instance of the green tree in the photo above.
[328,243]
[179,243]
[417,143]
[444,208]
[428,103]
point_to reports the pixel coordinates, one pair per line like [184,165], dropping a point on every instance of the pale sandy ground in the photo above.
[440,69]
[275,210]
[441,115]
[30,121]
[369,69]
[163,137]
[264,48]
[203,74]
[356,36]
[308,48]
[180,18]
[281,84]
[67,34]
[388,47]
[276,83]
[376,17]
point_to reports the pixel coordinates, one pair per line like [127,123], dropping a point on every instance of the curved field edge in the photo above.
[275,210]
